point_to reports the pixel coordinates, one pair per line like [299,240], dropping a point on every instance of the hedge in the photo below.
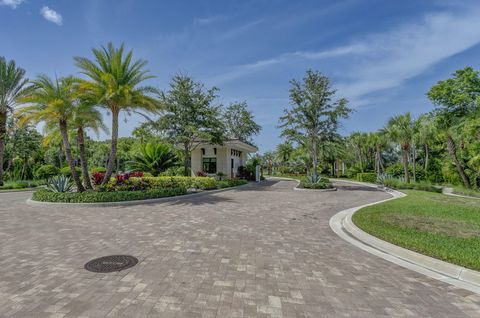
[367,177]
[46,171]
[146,183]
[44,195]
[230,183]
[68,173]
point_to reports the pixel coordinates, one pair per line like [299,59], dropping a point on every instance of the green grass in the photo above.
[467,192]
[298,177]
[21,184]
[444,227]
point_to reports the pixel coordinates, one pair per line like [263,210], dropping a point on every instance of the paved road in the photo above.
[259,251]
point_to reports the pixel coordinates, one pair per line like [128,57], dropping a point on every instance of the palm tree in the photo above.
[115,83]
[426,136]
[53,101]
[13,86]
[85,116]
[154,158]
[378,141]
[401,129]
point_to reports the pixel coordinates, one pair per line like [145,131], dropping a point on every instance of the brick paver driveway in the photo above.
[259,251]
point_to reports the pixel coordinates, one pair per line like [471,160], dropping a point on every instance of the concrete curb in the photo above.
[20,190]
[296,188]
[342,224]
[135,202]
[449,191]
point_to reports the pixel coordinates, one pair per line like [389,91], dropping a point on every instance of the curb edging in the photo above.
[296,188]
[342,224]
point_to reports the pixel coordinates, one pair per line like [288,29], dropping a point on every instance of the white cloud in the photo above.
[11,3]
[385,60]
[51,15]
[207,20]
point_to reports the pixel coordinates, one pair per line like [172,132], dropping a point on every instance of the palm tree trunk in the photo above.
[83,158]
[68,154]
[186,162]
[414,163]
[405,165]
[3,130]
[452,149]
[113,151]
[315,159]
[426,157]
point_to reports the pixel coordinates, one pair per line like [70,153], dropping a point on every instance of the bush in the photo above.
[146,183]
[396,170]
[98,169]
[46,171]
[13,185]
[399,184]
[68,173]
[367,177]
[318,182]
[44,195]
[230,183]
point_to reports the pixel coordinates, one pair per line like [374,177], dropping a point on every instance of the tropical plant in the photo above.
[60,183]
[115,84]
[13,85]
[53,102]
[154,158]
[46,172]
[401,129]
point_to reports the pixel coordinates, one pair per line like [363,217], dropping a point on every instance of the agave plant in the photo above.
[60,183]
[313,178]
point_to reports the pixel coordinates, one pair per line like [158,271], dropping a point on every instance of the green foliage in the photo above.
[366,177]
[399,184]
[14,185]
[230,183]
[396,171]
[59,183]
[240,123]
[434,224]
[146,183]
[97,170]
[46,171]
[96,197]
[315,182]
[154,158]
[65,171]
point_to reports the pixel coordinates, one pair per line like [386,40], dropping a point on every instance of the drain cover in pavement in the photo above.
[112,263]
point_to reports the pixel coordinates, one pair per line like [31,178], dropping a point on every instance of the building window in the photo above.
[209,165]
[203,151]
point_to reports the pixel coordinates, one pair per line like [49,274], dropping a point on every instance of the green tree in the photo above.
[53,102]
[284,152]
[401,129]
[456,99]
[115,84]
[190,116]
[13,85]
[154,158]
[240,123]
[314,116]
[427,135]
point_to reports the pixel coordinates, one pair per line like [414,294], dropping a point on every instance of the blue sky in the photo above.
[381,55]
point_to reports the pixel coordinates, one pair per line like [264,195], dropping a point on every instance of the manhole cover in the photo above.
[112,263]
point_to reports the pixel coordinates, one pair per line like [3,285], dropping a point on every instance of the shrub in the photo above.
[46,171]
[396,170]
[230,183]
[315,182]
[98,169]
[399,184]
[68,173]
[145,183]
[97,177]
[201,174]
[95,197]
[13,185]
[367,177]
[59,184]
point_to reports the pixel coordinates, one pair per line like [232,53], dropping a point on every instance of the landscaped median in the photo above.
[122,189]
[443,227]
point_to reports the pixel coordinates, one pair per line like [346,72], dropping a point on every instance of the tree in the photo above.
[13,85]
[115,84]
[86,116]
[268,160]
[53,102]
[401,129]
[456,99]
[378,141]
[190,117]
[154,158]
[426,136]
[240,123]
[284,152]
[314,116]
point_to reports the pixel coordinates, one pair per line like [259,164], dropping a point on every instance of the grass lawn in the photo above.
[444,227]
[467,192]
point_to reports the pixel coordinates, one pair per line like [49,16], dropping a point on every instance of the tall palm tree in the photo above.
[53,101]
[378,142]
[86,116]
[13,85]
[426,136]
[401,129]
[115,82]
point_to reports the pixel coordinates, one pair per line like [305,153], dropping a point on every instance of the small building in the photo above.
[225,158]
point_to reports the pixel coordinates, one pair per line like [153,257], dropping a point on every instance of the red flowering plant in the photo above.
[97,177]
[201,174]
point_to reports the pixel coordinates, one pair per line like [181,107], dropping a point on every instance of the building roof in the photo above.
[232,143]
